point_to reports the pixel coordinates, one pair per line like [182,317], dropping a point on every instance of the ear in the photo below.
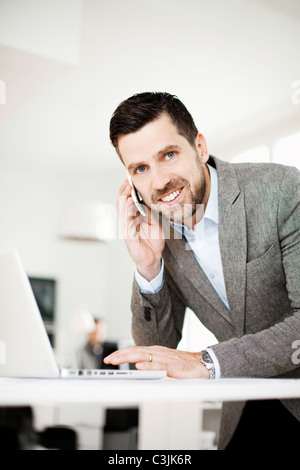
[201,147]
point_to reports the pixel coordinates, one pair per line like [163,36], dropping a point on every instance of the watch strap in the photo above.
[207,361]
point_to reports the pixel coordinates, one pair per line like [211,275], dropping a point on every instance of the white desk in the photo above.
[170,416]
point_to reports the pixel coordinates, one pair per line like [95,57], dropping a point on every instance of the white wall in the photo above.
[98,275]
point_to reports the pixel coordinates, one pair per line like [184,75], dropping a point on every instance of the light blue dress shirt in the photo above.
[204,242]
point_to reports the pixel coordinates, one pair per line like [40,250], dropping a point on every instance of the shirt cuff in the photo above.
[153,286]
[215,361]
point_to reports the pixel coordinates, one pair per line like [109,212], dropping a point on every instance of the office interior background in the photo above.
[64,67]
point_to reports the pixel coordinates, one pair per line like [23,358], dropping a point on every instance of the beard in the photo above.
[193,199]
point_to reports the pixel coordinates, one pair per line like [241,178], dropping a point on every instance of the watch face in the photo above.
[206,357]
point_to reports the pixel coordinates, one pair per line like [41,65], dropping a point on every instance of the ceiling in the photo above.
[66,65]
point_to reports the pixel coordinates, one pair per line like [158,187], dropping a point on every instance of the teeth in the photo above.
[171,196]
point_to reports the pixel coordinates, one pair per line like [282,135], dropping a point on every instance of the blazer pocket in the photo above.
[262,261]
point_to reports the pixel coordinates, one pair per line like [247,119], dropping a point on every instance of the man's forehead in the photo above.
[149,141]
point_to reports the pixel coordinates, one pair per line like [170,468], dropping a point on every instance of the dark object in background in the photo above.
[16,429]
[58,437]
[121,429]
[44,291]
[17,432]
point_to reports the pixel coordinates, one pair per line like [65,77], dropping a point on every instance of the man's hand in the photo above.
[143,235]
[178,364]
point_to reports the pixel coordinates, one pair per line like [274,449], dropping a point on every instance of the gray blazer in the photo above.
[259,236]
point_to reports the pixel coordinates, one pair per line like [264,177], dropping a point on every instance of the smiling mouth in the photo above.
[173,196]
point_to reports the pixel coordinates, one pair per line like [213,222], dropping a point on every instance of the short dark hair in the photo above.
[142,108]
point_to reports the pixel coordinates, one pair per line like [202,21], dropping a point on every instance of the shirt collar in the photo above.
[211,211]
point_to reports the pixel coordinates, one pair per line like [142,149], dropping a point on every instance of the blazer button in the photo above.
[147,313]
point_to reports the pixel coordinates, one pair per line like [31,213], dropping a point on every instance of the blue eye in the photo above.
[141,169]
[170,155]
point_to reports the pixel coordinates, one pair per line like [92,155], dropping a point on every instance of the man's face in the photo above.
[164,167]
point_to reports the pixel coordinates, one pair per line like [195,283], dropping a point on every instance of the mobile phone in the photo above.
[137,198]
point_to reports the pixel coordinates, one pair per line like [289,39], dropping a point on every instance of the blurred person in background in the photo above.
[96,348]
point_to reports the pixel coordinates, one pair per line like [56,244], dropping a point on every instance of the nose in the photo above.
[160,178]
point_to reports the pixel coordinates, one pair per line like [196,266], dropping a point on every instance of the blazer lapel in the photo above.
[186,260]
[233,248]
[233,241]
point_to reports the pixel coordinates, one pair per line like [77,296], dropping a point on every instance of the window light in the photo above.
[256,155]
[287,151]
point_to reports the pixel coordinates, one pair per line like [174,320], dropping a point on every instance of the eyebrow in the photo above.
[168,148]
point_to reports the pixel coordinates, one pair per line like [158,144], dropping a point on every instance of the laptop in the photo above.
[25,349]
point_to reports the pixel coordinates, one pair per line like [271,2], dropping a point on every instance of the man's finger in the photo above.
[131,354]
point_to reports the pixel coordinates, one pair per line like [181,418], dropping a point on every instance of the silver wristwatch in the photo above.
[207,361]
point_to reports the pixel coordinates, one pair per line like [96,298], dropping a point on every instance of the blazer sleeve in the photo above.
[157,318]
[269,353]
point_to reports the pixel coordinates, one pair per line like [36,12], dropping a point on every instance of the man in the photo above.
[232,255]
[97,348]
